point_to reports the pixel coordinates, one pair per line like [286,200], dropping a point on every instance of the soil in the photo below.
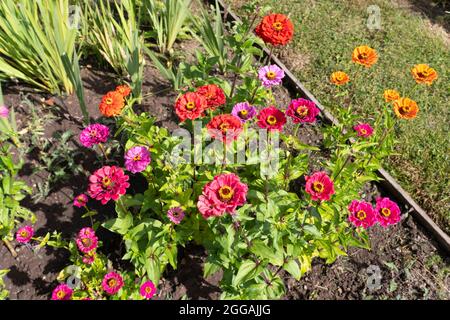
[411,266]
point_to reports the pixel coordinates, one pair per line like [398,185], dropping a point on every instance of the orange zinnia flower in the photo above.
[391,95]
[112,104]
[339,78]
[406,108]
[124,90]
[365,56]
[422,73]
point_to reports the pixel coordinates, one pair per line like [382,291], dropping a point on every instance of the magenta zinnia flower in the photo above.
[86,241]
[80,200]
[270,75]
[361,214]
[319,186]
[24,234]
[94,134]
[89,257]
[4,112]
[175,214]
[147,290]
[224,194]
[137,159]
[363,130]
[108,183]
[271,118]
[112,282]
[388,212]
[302,110]
[62,292]
[243,111]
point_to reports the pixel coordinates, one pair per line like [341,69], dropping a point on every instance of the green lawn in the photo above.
[326,31]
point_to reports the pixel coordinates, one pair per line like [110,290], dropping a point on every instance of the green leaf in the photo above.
[263,251]
[293,268]
[244,272]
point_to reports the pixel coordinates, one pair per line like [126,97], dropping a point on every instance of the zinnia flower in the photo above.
[244,111]
[224,194]
[137,159]
[112,104]
[190,106]
[94,134]
[319,186]
[215,97]
[339,78]
[175,214]
[391,95]
[406,108]
[361,214]
[80,200]
[388,212]
[124,90]
[147,290]
[302,110]
[422,73]
[271,118]
[112,283]
[24,234]
[363,130]
[270,75]
[62,292]
[225,127]
[275,29]
[4,112]
[86,241]
[108,183]
[89,257]
[365,56]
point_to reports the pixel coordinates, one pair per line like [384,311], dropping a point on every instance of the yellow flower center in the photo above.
[109,101]
[223,127]
[190,105]
[386,212]
[302,111]
[363,131]
[106,181]
[137,158]
[225,193]
[318,186]
[362,55]
[60,294]
[93,133]
[361,215]
[86,242]
[271,120]
[271,75]
[243,114]
[112,283]
[148,289]
[24,233]
[278,26]
[405,109]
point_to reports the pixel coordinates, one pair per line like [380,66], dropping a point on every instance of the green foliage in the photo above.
[34,37]
[3,292]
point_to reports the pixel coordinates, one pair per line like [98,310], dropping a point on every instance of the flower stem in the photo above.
[289,160]
[343,166]
[10,248]
[103,151]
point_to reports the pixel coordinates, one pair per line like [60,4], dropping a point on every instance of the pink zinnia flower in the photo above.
[362,214]
[108,183]
[62,292]
[271,118]
[137,159]
[86,232]
[4,112]
[24,234]
[388,212]
[148,290]
[302,110]
[87,243]
[175,214]
[243,111]
[89,257]
[222,195]
[363,130]
[112,283]
[270,75]
[80,200]
[319,186]
[94,134]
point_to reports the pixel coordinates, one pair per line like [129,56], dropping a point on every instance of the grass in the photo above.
[326,31]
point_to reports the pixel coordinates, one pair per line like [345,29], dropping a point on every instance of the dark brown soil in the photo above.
[411,266]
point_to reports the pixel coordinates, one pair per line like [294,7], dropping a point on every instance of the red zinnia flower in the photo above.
[361,214]
[215,97]
[225,127]
[319,186]
[112,104]
[124,90]
[271,118]
[190,106]
[275,29]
